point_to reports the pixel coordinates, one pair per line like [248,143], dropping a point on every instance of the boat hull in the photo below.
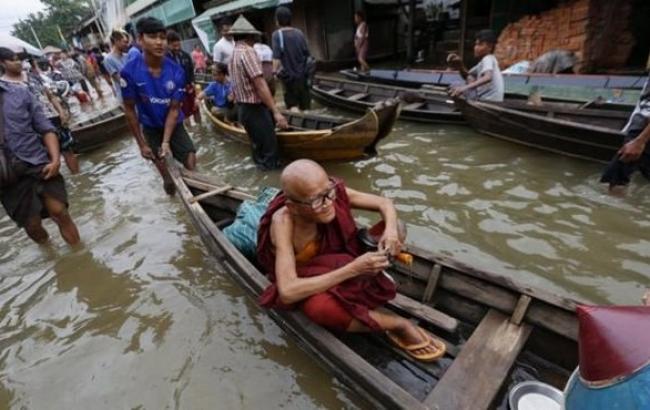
[466,307]
[99,130]
[557,135]
[431,107]
[341,141]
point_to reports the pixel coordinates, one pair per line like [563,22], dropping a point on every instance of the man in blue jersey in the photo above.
[155,84]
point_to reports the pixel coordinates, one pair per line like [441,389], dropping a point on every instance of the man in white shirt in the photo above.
[484,80]
[265,54]
[222,51]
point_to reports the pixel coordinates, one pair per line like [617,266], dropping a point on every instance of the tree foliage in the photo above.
[67,14]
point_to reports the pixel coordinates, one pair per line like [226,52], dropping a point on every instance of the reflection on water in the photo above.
[142,317]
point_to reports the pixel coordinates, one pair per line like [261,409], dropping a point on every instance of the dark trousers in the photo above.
[258,123]
[618,172]
[296,93]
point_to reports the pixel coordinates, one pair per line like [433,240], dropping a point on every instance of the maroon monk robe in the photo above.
[338,247]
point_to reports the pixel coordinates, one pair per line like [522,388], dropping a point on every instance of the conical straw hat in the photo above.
[614,341]
[242,26]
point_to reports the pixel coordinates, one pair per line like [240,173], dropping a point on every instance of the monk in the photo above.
[308,246]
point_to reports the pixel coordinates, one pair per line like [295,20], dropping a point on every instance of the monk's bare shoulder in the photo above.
[281,225]
[281,217]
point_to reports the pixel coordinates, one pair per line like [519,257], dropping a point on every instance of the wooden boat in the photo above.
[498,330]
[99,129]
[417,78]
[426,106]
[324,138]
[587,133]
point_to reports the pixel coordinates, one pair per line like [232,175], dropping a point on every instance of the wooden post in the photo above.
[463,29]
[409,42]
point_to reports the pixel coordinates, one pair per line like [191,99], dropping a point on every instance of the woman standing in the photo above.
[361,39]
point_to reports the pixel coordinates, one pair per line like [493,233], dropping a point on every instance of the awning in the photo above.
[138,5]
[238,6]
[51,50]
[170,12]
[203,23]
[18,46]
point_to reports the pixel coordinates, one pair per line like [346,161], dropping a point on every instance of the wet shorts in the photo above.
[181,145]
[24,199]
[66,140]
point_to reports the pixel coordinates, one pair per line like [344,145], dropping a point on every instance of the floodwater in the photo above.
[142,317]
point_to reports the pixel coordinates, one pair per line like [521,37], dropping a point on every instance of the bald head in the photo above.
[303,178]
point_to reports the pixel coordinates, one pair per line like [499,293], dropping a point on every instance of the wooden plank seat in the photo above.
[210,193]
[424,312]
[357,97]
[474,379]
[414,106]
[335,91]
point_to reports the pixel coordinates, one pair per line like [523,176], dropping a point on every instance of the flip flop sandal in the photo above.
[411,349]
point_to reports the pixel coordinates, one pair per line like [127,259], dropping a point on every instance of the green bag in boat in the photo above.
[243,231]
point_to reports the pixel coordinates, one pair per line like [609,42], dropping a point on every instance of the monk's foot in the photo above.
[417,342]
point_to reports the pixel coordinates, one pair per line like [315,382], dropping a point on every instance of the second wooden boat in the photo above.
[588,133]
[498,330]
[98,130]
[324,138]
[419,105]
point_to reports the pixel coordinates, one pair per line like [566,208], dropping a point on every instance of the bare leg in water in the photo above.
[168,183]
[190,162]
[71,161]
[34,229]
[59,214]
[197,116]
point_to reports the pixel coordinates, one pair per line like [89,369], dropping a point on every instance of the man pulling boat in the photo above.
[155,84]
[308,246]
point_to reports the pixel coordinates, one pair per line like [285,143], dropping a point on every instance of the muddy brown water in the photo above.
[141,316]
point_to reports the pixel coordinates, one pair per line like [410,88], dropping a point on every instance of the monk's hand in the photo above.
[631,151]
[370,263]
[646,298]
[389,243]
[51,170]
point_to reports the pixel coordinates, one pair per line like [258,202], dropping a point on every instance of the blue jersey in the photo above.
[219,93]
[153,95]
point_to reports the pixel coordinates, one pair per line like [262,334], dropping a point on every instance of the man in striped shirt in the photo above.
[256,106]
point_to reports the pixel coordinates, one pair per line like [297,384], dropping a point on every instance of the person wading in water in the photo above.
[257,109]
[155,84]
[31,150]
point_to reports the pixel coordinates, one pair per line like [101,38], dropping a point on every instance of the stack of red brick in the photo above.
[586,27]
